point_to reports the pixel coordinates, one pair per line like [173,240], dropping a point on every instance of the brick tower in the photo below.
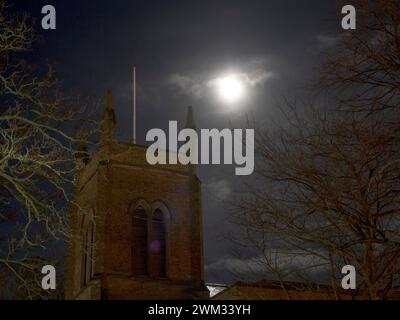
[136,229]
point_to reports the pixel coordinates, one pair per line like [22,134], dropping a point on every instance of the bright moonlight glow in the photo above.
[230,88]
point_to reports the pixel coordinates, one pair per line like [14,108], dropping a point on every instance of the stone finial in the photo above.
[190,119]
[81,156]
[82,152]
[108,121]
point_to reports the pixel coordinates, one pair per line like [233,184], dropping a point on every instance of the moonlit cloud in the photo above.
[252,73]
[327,41]
[252,79]
[237,265]
[256,267]
[188,84]
[221,189]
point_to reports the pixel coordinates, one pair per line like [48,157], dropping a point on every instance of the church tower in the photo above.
[136,229]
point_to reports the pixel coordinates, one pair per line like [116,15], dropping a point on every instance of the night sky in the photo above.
[179,47]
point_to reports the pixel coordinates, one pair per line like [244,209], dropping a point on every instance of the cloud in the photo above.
[327,41]
[237,265]
[221,189]
[252,79]
[188,84]
[256,267]
[252,73]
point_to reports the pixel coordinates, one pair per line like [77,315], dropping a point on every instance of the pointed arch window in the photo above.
[157,246]
[139,243]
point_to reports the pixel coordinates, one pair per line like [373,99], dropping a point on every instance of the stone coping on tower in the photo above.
[131,155]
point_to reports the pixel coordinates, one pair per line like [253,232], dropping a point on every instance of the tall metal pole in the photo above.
[134,105]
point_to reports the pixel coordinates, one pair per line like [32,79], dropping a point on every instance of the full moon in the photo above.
[230,88]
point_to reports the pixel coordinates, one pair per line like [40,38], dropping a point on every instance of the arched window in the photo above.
[157,248]
[139,243]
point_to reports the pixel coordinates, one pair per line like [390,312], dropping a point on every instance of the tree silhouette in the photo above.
[38,127]
[327,185]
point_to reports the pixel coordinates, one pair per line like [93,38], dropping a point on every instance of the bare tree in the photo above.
[37,147]
[365,67]
[326,191]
